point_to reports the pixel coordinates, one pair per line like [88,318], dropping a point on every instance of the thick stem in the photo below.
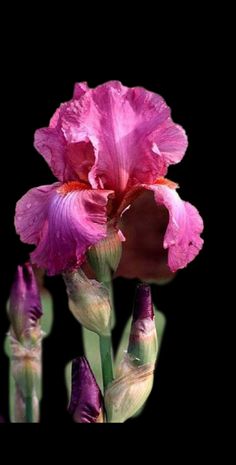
[29,409]
[106,360]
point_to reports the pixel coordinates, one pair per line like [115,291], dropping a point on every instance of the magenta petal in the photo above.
[86,399]
[52,145]
[79,89]
[182,237]
[113,135]
[61,225]
[67,161]
[133,136]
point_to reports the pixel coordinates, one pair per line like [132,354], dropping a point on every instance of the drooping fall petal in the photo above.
[62,220]
[182,236]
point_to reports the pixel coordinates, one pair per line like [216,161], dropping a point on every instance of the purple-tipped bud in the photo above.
[86,404]
[24,304]
[143,307]
[143,338]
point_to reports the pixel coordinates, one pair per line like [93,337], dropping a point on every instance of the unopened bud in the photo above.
[130,390]
[24,305]
[143,344]
[89,302]
[86,404]
[105,256]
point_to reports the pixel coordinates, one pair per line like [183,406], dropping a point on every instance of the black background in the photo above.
[36,81]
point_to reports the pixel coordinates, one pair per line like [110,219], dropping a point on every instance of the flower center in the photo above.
[71,186]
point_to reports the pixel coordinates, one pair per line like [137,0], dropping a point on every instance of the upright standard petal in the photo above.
[132,133]
[67,161]
[62,220]
[182,236]
[113,135]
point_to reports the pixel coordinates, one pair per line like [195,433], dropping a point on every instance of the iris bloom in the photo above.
[106,146]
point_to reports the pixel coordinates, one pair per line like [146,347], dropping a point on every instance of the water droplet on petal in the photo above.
[28,205]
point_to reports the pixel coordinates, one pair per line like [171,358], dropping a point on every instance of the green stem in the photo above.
[106,360]
[109,287]
[29,409]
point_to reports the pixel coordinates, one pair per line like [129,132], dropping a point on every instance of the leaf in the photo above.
[47,305]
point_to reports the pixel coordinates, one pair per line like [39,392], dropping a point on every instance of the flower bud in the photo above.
[130,390]
[89,302]
[126,394]
[86,404]
[143,344]
[24,305]
[105,256]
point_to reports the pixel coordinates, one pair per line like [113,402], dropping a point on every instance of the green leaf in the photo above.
[47,318]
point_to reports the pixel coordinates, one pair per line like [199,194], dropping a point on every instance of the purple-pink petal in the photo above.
[67,161]
[127,128]
[61,224]
[24,303]
[79,89]
[127,134]
[182,237]
[86,401]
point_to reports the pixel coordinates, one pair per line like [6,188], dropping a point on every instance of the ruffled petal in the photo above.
[79,89]
[67,161]
[162,233]
[113,136]
[132,133]
[62,223]
[182,236]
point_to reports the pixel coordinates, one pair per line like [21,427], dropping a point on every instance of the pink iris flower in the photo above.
[107,146]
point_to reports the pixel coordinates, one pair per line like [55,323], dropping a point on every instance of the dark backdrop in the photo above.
[34,86]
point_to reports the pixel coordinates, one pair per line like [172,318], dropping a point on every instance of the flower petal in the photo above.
[61,223]
[182,237]
[150,231]
[79,89]
[67,162]
[144,225]
[131,131]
